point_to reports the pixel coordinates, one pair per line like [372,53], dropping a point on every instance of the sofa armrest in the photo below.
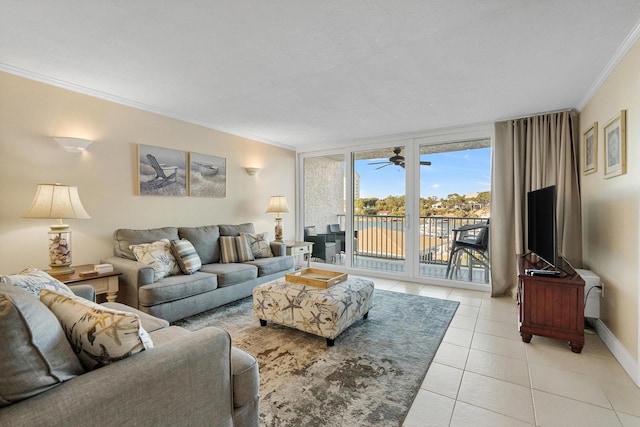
[186,382]
[134,274]
[87,292]
[278,248]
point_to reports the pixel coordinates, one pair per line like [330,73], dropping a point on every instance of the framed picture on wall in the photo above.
[590,149]
[161,171]
[615,146]
[207,176]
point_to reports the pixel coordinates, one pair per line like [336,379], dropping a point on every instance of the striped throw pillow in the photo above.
[186,256]
[235,249]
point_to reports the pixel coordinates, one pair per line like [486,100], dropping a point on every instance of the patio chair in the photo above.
[323,247]
[473,241]
[338,236]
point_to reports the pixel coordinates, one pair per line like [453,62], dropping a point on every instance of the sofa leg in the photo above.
[263,322]
[330,342]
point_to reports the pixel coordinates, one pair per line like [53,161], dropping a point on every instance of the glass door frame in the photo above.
[412,145]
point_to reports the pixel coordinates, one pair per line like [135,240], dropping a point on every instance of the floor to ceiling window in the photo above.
[396,207]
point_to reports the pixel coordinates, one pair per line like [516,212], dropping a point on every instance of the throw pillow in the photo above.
[98,335]
[311,231]
[32,280]
[235,249]
[186,256]
[158,256]
[35,354]
[259,243]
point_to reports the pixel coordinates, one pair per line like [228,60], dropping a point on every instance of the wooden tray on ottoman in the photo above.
[316,277]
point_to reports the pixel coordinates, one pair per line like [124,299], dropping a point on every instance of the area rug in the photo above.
[369,378]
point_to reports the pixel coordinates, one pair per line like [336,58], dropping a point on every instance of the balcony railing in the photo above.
[384,237]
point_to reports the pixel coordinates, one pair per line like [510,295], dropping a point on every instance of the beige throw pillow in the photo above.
[260,245]
[32,280]
[158,256]
[98,335]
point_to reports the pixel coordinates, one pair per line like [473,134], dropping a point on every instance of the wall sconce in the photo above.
[73,145]
[253,171]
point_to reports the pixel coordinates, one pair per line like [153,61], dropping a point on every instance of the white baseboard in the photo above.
[629,364]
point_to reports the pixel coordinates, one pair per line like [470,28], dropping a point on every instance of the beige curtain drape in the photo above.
[529,154]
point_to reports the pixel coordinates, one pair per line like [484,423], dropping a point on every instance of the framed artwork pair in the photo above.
[168,172]
[615,147]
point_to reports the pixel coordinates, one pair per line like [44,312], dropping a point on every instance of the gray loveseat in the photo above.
[187,378]
[215,284]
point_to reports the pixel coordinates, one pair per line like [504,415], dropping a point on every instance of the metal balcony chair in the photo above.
[473,241]
[338,236]
[323,247]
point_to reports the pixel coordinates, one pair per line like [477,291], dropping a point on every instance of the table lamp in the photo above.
[57,201]
[278,205]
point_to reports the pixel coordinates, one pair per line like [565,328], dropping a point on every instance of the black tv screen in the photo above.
[541,209]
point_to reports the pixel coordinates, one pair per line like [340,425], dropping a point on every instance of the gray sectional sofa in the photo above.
[186,379]
[182,295]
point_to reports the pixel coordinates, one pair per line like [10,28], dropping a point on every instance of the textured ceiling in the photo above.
[303,73]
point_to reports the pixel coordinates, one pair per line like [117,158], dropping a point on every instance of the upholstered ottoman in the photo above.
[318,311]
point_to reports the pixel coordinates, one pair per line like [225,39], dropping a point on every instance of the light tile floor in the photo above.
[484,375]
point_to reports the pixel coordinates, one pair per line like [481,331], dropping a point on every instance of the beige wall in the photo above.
[610,206]
[32,112]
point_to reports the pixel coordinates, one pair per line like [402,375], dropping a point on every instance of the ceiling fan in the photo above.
[397,160]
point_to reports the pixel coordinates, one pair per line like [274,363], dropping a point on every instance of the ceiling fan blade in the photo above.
[425,163]
[378,163]
[383,166]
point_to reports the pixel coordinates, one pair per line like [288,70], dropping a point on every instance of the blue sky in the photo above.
[461,172]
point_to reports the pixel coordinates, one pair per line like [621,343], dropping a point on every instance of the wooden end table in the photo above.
[103,283]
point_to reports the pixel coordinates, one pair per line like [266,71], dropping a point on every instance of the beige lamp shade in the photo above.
[277,205]
[56,201]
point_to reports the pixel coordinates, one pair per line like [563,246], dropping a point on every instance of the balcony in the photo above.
[380,245]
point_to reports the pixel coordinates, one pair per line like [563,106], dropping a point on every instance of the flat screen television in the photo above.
[541,210]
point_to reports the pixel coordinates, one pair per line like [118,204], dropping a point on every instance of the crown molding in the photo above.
[619,54]
[129,103]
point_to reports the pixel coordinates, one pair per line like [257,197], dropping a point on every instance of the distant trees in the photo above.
[470,205]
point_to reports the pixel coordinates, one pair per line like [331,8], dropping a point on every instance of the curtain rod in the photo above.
[539,114]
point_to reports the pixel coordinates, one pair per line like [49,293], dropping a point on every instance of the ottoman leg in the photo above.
[366,315]
[330,342]
[263,322]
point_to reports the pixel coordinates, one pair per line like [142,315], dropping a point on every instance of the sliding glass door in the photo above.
[379,210]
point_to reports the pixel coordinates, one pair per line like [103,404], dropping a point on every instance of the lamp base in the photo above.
[278,230]
[60,270]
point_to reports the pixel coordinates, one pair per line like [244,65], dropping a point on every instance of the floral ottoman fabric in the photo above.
[318,311]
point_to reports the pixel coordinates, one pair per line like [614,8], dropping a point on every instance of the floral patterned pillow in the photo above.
[158,256]
[33,280]
[260,245]
[98,335]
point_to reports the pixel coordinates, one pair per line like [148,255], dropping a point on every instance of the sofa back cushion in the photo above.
[35,354]
[235,230]
[205,240]
[124,237]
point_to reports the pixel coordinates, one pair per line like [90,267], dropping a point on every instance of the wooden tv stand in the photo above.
[551,306]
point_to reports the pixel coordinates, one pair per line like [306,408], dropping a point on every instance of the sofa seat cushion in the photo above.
[230,274]
[205,240]
[176,287]
[267,266]
[35,354]
[124,237]
[246,379]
